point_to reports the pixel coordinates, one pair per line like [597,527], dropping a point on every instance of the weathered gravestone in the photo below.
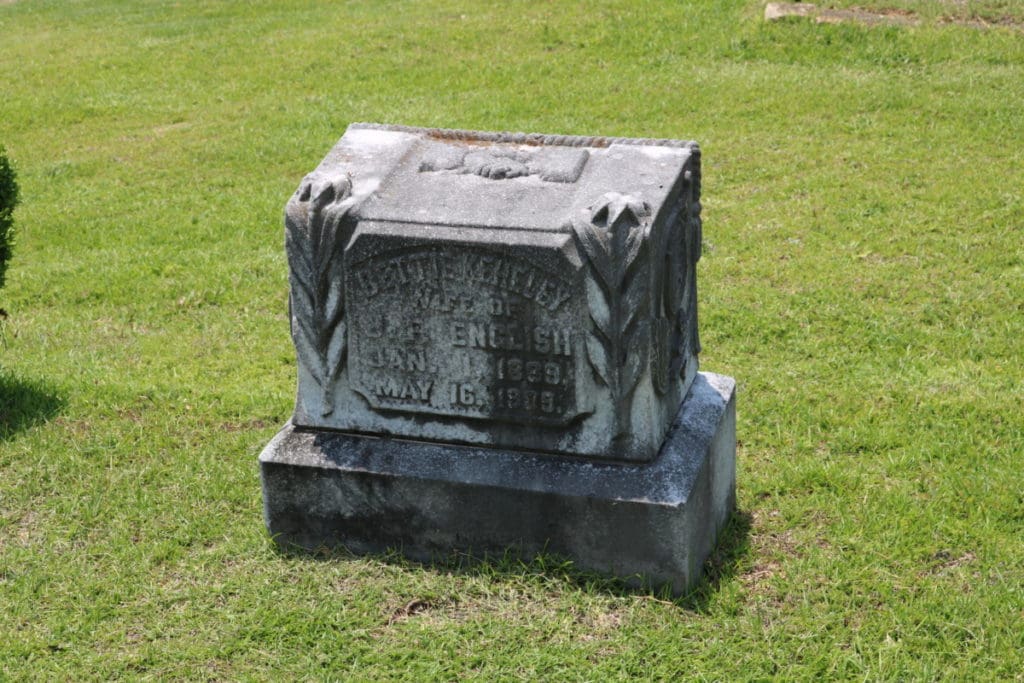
[497,347]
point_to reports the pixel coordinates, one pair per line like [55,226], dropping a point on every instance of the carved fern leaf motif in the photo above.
[667,288]
[678,271]
[614,240]
[678,297]
[316,232]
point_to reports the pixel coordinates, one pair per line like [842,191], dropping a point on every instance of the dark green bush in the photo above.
[8,200]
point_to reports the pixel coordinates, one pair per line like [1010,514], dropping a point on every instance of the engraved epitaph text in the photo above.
[464,332]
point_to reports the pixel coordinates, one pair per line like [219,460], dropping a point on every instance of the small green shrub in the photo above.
[8,200]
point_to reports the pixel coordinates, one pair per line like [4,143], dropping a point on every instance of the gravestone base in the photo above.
[650,524]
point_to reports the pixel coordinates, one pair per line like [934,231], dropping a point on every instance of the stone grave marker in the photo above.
[497,348]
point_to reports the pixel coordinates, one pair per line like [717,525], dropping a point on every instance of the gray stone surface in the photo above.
[507,290]
[775,11]
[655,522]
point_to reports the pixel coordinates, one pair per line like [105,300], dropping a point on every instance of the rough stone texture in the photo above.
[653,522]
[774,11]
[508,290]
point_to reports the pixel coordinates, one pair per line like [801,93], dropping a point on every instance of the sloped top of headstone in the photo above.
[509,180]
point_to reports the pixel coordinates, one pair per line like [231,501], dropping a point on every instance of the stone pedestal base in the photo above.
[653,523]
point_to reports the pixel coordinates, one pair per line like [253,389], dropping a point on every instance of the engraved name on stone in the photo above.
[463,332]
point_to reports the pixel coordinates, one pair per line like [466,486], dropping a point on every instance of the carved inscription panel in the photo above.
[464,331]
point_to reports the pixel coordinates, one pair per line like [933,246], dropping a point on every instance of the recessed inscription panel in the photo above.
[463,331]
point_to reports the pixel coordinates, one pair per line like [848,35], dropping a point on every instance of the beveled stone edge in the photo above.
[537,139]
[666,481]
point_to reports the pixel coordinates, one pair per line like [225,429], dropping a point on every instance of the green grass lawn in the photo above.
[863,279]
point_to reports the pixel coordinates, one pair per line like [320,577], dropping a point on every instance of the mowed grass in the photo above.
[863,279]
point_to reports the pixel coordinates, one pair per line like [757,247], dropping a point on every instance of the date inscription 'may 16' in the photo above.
[463,332]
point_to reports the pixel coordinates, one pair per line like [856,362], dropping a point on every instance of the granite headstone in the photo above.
[497,347]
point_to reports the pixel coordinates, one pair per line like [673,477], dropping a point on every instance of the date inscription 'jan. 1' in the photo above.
[463,332]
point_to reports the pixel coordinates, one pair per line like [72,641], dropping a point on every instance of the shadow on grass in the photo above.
[24,404]
[724,561]
[550,570]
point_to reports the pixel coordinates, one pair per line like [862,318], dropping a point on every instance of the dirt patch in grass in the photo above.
[1000,22]
[768,548]
[245,426]
[412,608]
[19,532]
[170,127]
[945,561]
[76,428]
[775,11]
